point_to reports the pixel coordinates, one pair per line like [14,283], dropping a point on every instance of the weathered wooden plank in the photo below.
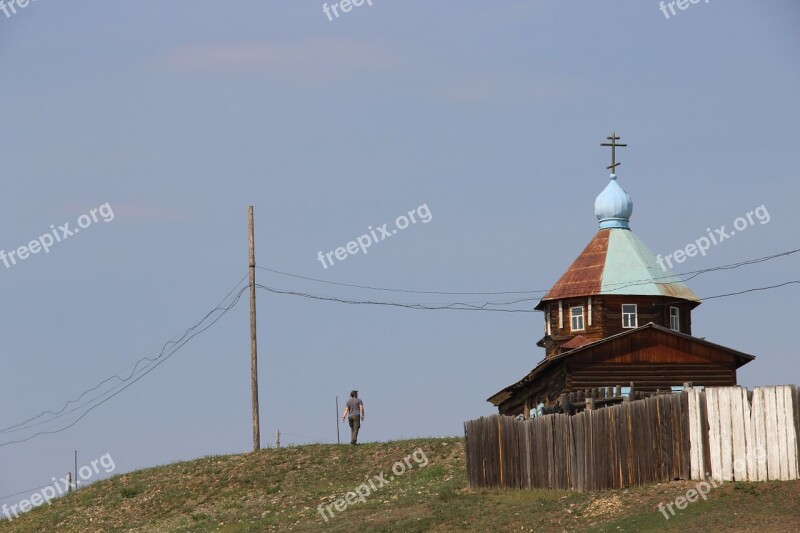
[781,430]
[602,442]
[568,445]
[645,443]
[750,452]
[702,428]
[533,451]
[563,421]
[725,441]
[630,444]
[655,421]
[599,440]
[648,421]
[622,447]
[526,450]
[791,432]
[796,407]
[759,427]
[695,437]
[714,446]
[738,436]
[613,456]
[680,438]
[501,459]
[668,431]
[624,443]
[537,455]
[558,457]
[588,459]
[580,452]
[773,447]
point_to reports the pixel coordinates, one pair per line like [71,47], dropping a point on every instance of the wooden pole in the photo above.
[278,438]
[76,469]
[566,407]
[253,343]
[69,481]
[338,441]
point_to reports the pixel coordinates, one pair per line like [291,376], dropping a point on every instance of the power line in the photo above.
[153,367]
[753,290]
[458,306]
[668,279]
[11,429]
[461,306]
[390,290]
[171,347]
[167,351]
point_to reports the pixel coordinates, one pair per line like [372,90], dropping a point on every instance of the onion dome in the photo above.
[613,206]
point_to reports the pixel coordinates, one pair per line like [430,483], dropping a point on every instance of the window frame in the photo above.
[677,318]
[572,318]
[626,315]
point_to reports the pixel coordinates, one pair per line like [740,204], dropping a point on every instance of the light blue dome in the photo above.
[613,206]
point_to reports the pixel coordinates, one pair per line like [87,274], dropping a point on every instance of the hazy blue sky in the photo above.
[180,114]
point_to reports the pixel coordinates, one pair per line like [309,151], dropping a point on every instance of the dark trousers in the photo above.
[355,425]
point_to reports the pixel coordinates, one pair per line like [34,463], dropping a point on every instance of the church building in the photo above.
[617,317]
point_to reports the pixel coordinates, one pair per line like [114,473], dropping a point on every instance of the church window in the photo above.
[576,314]
[675,318]
[629,316]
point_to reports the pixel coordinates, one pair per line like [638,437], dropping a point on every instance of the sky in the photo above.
[483,119]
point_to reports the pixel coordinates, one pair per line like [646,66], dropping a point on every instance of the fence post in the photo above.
[500,447]
[566,406]
[278,439]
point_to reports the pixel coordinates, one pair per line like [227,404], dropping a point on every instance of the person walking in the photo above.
[354,412]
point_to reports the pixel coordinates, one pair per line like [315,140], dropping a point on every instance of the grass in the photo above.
[280,490]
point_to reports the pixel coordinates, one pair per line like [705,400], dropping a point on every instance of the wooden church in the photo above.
[616,317]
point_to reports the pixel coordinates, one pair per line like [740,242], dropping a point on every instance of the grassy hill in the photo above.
[281,490]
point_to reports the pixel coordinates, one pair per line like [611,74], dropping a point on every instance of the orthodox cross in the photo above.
[613,144]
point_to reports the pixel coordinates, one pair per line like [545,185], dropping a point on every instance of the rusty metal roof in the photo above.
[584,277]
[576,342]
[616,261]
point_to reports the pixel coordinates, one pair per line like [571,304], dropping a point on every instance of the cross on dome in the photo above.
[613,144]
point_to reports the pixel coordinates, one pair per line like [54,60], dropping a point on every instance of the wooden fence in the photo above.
[748,436]
[661,438]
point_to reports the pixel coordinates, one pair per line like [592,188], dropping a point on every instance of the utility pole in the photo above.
[337,421]
[253,343]
[76,469]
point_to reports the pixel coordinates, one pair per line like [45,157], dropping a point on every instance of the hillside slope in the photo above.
[284,489]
